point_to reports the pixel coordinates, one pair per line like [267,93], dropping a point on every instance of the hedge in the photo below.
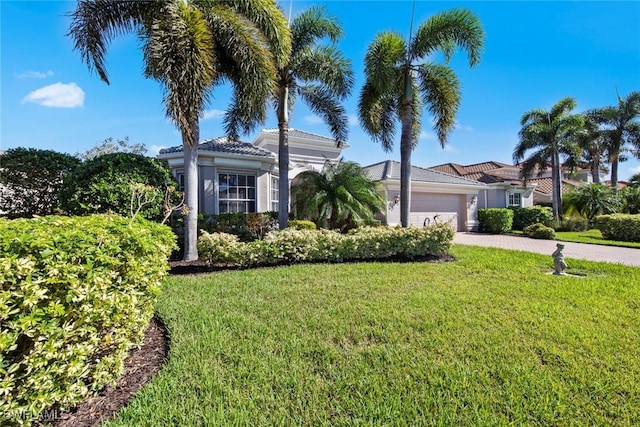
[495,220]
[290,245]
[620,227]
[524,217]
[77,294]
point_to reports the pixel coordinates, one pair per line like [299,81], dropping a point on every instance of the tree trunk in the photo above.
[556,180]
[614,172]
[405,151]
[595,169]
[283,157]
[191,196]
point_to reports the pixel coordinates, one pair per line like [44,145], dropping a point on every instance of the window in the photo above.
[236,193]
[275,193]
[515,199]
[180,179]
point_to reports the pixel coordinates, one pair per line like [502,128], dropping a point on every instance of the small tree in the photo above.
[339,197]
[103,184]
[630,197]
[109,146]
[30,180]
[593,200]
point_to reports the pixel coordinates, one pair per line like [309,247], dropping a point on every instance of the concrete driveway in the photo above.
[627,256]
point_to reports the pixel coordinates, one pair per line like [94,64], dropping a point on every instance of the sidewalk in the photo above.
[614,254]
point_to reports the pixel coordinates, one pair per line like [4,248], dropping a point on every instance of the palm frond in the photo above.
[446,30]
[440,90]
[324,64]
[377,113]
[324,103]
[311,26]
[178,52]
[245,60]
[385,55]
[95,23]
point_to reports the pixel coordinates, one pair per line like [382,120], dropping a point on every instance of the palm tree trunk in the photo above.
[556,179]
[283,157]
[191,195]
[614,172]
[405,152]
[595,170]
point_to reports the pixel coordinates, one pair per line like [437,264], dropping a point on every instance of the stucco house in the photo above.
[236,176]
[435,196]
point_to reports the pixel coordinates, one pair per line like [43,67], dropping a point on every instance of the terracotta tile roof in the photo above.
[460,170]
[545,186]
[390,170]
[224,145]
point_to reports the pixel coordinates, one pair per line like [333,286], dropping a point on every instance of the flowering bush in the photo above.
[293,246]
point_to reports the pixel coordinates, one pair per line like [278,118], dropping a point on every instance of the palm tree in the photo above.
[321,76]
[593,199]
[400,81]
[340,196]
[189,46]
[621,130]
[549,134]
[592,144]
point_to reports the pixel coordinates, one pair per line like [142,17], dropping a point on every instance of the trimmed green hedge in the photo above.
[620,227]
[495,220]
[77,293]
[524,217]
[290,246]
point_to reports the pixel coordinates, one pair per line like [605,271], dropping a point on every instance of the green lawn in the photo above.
[490,339]
[592,236]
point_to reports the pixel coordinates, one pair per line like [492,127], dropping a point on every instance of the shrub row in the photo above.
[621,227]
[76,294]
[293,246]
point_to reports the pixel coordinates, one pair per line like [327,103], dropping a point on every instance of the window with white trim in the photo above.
[515,199]
[275,193]
[236,193]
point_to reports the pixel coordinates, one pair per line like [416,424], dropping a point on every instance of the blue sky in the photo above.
[536,53]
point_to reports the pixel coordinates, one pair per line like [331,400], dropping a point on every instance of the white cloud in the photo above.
[353,120]
[634,170]
[450,149]
[213,114]
[35,75]
[424,135]
[154,150]
[459,126]
[312,120]
[57,95]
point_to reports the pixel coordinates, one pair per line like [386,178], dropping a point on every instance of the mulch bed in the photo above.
[141,365]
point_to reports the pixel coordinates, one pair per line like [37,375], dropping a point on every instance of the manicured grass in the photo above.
[592,236]
[490,339]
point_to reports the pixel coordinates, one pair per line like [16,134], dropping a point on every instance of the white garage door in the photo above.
[427,205]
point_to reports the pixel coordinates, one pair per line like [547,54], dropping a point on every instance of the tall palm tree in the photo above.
[340,196]
[189,46]
[549,134]
[321,76]
[621,130]
[401,80]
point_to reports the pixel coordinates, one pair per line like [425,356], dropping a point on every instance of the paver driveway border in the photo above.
[613,254]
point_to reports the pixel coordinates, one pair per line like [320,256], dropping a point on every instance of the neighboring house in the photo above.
[504,187]
[542,195]
[236,176]
[435,196]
